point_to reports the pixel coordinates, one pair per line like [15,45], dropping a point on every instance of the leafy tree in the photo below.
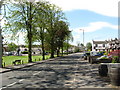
[21,19]
[41,24]
[61,34]
[54,15]
[89,46]
[12,47]
[81,44]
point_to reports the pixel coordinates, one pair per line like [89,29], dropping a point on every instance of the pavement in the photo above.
[64,72]
[19,66]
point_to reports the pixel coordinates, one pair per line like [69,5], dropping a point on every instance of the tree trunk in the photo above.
[52,53]
[52,50]
[58,52]
[62,50]
[29,48]
[43,50]
[67,45]
[30,36]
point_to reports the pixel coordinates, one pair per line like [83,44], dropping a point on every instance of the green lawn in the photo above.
[9,59]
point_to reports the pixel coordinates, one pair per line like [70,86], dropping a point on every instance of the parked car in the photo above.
[83,55]
[86,53]
[9,53]
[95,53]
[104,57]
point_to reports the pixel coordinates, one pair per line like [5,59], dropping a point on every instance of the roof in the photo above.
[99,42]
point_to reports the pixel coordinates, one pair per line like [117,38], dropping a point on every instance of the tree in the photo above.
[54,15]
[41,24]
[12,47]
[89,46]
[61,34]
[21,19]
[81,45]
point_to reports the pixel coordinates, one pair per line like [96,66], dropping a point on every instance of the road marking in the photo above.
[8,85]
[21,80]
[36,73]
[11,84]
[18,81]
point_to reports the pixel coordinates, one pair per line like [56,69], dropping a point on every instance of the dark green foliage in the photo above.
[24,52]
[12,47]
[89,46]
[115,59]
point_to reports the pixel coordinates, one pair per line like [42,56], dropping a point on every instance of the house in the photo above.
[35,49]
[99,45]
[107,45]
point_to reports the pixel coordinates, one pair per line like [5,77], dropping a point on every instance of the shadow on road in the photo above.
[66,72]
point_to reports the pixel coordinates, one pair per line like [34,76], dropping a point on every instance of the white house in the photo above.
[99,45]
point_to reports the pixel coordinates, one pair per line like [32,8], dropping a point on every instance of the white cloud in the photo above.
[93,26]
[104,7]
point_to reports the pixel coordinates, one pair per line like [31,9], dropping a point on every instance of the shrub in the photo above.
[104,58]
[24,52]
[115,59]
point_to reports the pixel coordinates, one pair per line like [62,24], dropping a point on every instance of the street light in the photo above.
[83,35]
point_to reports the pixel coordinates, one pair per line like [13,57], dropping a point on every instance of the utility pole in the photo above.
[83,38]
[83,35]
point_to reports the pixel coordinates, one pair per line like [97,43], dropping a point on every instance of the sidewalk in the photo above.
[16,67]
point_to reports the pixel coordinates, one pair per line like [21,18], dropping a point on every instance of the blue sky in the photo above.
[98,18]
[80,19]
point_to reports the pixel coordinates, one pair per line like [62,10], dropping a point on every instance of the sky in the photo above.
[98,19]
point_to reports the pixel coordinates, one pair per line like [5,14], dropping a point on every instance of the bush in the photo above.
[24,52]
[115,59]
[104,58]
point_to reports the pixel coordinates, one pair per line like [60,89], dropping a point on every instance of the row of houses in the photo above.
[36,49]
[107,45]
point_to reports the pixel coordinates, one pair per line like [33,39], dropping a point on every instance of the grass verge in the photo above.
[7,60]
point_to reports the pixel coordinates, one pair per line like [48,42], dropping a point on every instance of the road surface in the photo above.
[64,72]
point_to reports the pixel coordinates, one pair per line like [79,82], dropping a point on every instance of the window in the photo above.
[103,45]
[96,45]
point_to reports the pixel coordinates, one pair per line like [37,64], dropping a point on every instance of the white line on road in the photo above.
[8,85]
[17,82]
[36,73]
[11,84]
[21,80]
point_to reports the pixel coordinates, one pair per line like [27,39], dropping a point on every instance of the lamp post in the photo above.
[83,39]
[83,35]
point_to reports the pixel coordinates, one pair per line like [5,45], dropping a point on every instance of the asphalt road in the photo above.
[65,72]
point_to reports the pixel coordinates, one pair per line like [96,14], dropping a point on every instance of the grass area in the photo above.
[9,59]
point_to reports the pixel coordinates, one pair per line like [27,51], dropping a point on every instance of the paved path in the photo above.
[66,72]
